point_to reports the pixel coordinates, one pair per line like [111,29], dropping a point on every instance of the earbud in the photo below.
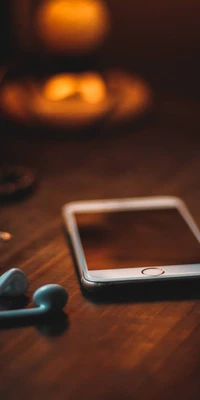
[13,283]
[48,298]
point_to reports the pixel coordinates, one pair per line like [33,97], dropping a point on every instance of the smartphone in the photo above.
[132,240]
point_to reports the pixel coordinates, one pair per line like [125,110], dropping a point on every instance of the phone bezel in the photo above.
[92,279]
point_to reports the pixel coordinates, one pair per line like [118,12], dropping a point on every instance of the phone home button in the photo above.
[153,271]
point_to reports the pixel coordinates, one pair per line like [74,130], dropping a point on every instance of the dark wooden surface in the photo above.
[142,343]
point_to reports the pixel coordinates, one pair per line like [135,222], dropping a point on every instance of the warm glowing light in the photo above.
[92,88]
[89,86]
[59,87]
[71,26]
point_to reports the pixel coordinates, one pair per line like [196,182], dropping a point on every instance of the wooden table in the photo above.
[132,345]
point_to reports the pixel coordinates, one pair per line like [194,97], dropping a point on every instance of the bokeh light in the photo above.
[71,26]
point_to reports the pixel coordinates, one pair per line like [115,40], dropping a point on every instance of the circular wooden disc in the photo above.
[24,101]
[127,97]
[135,97]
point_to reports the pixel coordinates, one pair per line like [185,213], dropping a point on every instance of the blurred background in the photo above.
[160,40]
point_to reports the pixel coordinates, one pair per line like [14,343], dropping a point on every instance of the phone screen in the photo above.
[136,238]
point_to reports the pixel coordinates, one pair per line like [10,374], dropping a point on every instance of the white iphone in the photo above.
[129,240]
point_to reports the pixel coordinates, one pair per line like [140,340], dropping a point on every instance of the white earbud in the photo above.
[49,299]
[13,283]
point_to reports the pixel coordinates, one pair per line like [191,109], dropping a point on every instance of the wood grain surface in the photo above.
[133,344]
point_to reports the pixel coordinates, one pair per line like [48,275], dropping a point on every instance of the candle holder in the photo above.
[52,30]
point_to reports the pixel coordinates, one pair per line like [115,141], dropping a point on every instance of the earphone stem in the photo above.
[29,312]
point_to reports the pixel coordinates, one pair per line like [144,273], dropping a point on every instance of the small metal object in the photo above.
[16,181]
[5,236]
